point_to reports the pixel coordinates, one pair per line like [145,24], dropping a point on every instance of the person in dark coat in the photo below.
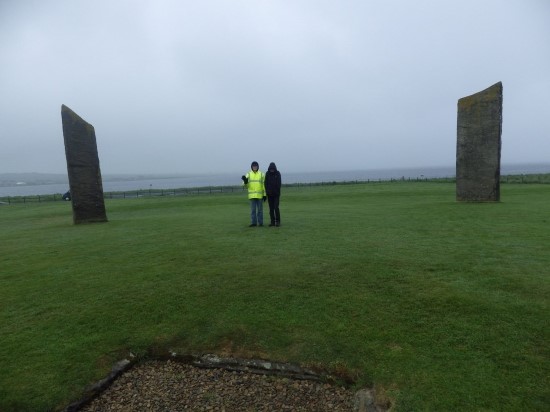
[273,192]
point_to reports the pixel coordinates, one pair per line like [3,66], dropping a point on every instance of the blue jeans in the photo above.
[256,212]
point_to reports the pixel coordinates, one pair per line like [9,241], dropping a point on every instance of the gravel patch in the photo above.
[175,386]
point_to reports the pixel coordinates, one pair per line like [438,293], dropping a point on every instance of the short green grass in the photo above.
[441,305]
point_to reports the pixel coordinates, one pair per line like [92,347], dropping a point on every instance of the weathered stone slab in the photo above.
[85,182]
[479,131]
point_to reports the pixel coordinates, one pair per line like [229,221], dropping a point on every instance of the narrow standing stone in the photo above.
[479,130]
[83,168]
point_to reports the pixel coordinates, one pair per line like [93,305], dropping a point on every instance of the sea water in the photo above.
[111,184]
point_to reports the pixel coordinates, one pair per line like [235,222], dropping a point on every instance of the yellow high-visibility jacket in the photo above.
[256,187]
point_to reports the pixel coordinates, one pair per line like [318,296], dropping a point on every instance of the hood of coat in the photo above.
[272,167]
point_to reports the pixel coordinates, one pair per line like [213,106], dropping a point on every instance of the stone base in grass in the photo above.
[210,382]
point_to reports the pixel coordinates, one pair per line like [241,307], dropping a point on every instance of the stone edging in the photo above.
[255,366]
[98,387]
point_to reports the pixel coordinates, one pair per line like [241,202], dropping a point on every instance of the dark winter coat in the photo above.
[273,181]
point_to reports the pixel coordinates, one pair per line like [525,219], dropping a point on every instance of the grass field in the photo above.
[441,305]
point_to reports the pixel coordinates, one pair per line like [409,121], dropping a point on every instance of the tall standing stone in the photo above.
[479,130]
[83,168]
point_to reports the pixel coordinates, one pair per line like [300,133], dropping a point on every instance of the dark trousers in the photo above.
[274,213]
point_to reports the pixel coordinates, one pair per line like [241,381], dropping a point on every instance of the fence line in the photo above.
[209,190]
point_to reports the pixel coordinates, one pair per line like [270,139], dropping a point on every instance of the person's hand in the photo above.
[265,198]
[245,180]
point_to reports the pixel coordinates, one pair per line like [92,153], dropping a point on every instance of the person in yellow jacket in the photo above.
[254,182]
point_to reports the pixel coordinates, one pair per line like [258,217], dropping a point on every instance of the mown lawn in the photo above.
[441,305]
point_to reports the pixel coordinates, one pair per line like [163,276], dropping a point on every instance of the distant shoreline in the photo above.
[14,184]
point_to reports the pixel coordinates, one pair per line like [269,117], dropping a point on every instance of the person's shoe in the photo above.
[261,224]
[253,225]
[271,224]
[278,224]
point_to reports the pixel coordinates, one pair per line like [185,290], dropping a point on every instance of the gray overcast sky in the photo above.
[208,86]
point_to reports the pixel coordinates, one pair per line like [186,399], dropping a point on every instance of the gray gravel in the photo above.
[174,386]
